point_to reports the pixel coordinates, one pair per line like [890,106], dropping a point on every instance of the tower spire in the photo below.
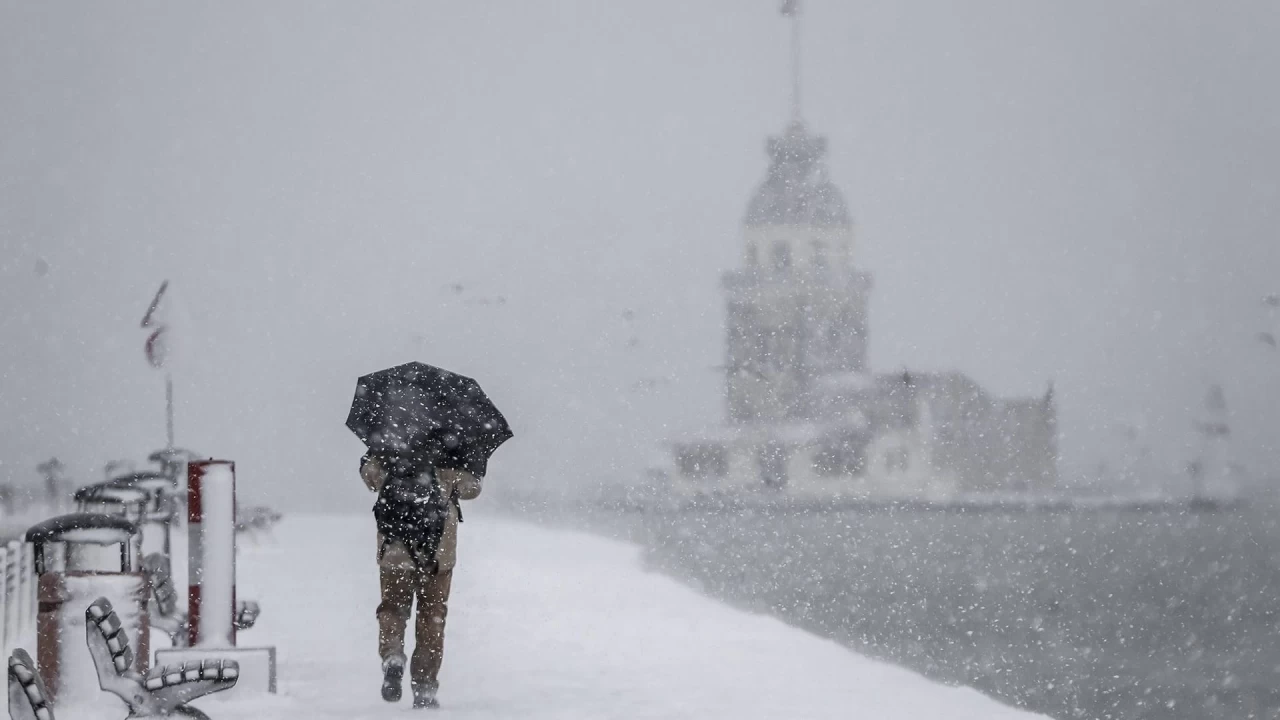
[791,9]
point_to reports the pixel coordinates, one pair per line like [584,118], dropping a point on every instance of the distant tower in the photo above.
[797,309]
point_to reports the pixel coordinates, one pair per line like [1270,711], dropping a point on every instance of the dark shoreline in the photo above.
[973,505]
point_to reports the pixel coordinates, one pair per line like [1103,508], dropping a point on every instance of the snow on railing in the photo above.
[17,596]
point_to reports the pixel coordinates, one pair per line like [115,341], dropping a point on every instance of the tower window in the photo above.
[702,461]
[772,459]
[841,455]
[781,256]
[819,256]
[897,460]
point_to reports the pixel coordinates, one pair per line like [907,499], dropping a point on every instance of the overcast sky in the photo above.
[1085,192]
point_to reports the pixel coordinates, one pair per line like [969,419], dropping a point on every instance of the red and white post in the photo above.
[211,571]
[211,555]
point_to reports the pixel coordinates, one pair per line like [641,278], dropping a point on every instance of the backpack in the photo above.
[413,510]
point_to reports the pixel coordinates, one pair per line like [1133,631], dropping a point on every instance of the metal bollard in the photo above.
[211,565]
[156,516]
[214,615]
[78,558]
[173,463]
[109,500]
[127,503]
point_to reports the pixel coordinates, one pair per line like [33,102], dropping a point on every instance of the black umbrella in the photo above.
[422,415]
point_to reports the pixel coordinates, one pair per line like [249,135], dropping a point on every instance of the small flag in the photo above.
[157,347]
[790,7]
[157,320]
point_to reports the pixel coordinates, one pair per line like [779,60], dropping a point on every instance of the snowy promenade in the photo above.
[549,624]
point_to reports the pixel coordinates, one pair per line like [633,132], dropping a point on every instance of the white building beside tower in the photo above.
[807,421]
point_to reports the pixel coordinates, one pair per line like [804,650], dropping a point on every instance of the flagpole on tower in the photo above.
[791,9]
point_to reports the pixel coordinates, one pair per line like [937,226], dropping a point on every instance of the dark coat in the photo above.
[460,484]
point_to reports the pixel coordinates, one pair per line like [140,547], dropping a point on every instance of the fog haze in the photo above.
[1082,193]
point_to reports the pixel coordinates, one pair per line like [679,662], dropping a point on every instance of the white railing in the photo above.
[17,597]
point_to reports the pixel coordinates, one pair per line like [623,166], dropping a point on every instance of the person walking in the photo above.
[428,435]
[418,511]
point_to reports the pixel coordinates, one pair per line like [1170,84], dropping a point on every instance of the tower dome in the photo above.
[797,190]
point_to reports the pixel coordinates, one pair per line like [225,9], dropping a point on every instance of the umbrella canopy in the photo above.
[424,415]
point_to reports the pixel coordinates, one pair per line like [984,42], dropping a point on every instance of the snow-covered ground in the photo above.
[551,624]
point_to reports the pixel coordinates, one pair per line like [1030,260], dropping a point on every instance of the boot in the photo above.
[392,675]
[424,697]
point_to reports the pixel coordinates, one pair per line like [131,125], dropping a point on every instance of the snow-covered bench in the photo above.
[164,691]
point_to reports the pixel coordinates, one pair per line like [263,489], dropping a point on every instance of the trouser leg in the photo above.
[393,612]
[433,609]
